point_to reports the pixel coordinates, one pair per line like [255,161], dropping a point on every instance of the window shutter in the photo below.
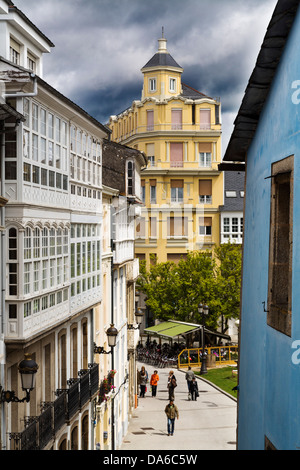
[15,45]
[176,154]
[150,120]
[176,183]
[205,221]
[176,116]
[150,150]
[205,147]
[205,188]
[205,119]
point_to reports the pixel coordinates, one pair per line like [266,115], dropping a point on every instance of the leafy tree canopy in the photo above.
[174,291]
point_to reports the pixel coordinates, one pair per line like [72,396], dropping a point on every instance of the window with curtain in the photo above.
[140,227]
[152,191]
[152,227]
[177,226]
[150,120]
[150,154]
[172,85]
[176,117]
[176,154]
[205,191]
[176,190]
[152,84]
[205,151]
[205,119]
[205,226]
[143,191]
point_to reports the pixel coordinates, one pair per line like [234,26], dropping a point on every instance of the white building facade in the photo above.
[53,220]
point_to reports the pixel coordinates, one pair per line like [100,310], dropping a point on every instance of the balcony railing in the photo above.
[39,431]
[169,126]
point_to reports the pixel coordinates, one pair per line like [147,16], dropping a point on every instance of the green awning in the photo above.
[171,329]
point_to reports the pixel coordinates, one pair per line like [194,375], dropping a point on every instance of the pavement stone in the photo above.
[206,424]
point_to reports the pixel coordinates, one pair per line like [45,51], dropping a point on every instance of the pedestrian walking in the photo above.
[153,382]
[143,379]
[189,377]
[172,412]
[194,389]
[172,384]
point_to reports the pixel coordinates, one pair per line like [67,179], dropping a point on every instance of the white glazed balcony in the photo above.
[124,251]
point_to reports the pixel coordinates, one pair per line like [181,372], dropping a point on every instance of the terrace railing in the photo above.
[40,430]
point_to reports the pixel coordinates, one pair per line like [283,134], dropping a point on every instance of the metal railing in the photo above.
[167,126]
[40,430]
[216,355]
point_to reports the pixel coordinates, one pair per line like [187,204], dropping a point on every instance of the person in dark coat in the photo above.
[189,377]
[172,383]
[172,412]
[194,389]
[143,379]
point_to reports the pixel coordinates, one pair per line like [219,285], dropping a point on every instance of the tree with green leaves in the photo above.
[228,285]
[174,291]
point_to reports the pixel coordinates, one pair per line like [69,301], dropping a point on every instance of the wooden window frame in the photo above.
[279,311]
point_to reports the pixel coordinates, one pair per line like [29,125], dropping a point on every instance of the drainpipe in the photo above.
[2,287]
[112,321]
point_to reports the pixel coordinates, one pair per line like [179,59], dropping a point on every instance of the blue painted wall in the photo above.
[269,397]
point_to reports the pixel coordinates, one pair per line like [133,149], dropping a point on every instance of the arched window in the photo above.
[52,242]
[27,243]
[36,243]
[59,241]
[66,241]
[45,242]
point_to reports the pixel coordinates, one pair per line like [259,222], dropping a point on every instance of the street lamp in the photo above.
[27,369]
[203,310]
[112,334]
[139,318]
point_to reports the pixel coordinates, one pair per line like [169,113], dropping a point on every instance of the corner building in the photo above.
[179,129]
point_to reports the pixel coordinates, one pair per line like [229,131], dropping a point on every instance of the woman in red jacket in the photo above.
[153,382]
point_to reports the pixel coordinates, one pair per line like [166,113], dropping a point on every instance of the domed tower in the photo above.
[179,130]
[162,74]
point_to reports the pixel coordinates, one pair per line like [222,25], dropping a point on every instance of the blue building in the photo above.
[266,138]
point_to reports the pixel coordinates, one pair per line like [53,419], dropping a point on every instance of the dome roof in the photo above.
[162,58]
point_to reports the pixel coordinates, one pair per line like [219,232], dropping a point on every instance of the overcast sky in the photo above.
[101,46]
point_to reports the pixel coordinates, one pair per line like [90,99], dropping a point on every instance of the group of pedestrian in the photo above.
[142,377]
[171,409]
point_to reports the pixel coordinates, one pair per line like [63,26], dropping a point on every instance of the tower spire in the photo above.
[162,43]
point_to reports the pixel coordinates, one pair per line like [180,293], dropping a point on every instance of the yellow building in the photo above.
[179,129]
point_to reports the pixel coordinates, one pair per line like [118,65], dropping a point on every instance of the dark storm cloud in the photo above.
[101,45]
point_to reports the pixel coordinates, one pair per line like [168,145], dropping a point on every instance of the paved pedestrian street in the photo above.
[206,424]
